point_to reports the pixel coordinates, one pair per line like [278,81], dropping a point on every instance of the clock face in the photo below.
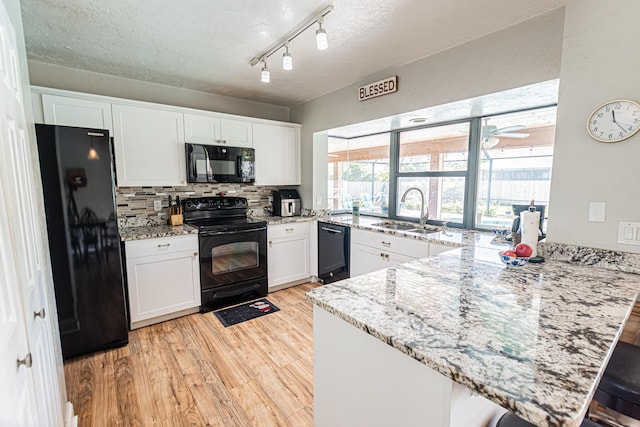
[614,121]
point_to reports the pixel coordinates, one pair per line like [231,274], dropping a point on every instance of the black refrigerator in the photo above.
[76,167]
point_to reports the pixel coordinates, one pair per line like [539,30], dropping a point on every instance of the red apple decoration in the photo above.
[509,253]
[523,250]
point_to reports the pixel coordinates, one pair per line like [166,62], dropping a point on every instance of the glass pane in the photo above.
[444,197]
[441,148]
[359,173]
[234,257]
[515,164]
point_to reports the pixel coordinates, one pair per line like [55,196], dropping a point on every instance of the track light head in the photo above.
[265,75]
[287,60]
[321,37]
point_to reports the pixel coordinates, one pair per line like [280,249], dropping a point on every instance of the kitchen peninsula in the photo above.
[532,339]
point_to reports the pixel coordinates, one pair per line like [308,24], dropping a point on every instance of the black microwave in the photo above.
[215,163]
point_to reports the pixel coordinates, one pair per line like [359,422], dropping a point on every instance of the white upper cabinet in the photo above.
[277,154]
[236,133]
[64,111]
[149,146]
[200,129]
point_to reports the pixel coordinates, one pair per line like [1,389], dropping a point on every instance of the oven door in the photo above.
[228,257]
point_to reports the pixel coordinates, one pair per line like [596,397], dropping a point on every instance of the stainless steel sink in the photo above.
[409,228]
[426,230]
[392,226]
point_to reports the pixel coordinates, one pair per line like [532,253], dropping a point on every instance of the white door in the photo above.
[29,375]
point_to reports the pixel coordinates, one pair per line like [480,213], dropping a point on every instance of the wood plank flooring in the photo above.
[193,371]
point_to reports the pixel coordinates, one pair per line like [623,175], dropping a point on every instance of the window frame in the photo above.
[471,175]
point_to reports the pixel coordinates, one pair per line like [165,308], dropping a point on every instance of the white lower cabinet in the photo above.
[435,249]
[288,254]
[163,278]
[372,251]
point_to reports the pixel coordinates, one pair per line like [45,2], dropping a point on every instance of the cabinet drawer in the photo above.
[288,230]
[161,245]
[406,246]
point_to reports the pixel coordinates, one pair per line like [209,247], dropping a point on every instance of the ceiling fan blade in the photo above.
[509,129]
[513,135]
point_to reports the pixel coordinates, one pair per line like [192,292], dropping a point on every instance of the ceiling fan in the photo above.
[490,134]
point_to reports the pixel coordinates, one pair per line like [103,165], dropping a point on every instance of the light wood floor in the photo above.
[194,371]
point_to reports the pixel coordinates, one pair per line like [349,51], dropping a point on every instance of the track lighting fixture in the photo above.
[265,75]
[287,60]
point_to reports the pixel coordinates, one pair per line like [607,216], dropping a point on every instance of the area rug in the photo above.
[248,311]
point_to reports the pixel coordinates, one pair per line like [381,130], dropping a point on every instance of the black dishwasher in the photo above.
[333,252]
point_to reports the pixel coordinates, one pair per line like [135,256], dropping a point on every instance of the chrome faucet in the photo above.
[424,210]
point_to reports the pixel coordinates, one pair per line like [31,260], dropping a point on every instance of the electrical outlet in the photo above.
[157,205]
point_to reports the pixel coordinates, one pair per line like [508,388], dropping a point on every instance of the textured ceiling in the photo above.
[206,45]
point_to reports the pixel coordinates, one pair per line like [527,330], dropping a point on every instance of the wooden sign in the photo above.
[379,88]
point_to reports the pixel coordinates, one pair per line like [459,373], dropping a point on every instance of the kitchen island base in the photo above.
[361,381]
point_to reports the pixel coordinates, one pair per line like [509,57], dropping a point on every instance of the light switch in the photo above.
[319,201]
[629,233]
[157,205]
[596,211]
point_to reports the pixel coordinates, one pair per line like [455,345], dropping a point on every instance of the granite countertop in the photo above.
[154,231]
[532,339]
[275,220]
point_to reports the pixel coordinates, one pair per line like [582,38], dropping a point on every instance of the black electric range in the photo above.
[233,250]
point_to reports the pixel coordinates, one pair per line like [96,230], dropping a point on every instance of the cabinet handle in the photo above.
[166,245]
[26,361]
[270,243]
[39,314]
[381,255]
[386,243]
[288,230]
[195,254]
[386,256]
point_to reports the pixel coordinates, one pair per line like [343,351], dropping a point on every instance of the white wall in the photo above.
[600,62]
[517,56]
[56,76]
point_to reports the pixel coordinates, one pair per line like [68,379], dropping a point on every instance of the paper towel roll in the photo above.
[529,226]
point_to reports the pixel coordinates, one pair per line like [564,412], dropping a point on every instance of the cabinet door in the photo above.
[236,133]
[63,111]
[365,259]
[435,249]
[162,284]
[288,260]
[149,146]
[201,129]
[277,154]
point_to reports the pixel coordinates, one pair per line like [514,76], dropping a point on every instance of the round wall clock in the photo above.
[614,121]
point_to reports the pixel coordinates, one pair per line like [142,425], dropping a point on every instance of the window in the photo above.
[516,154]
[359,173]
[434,160]
[471,172]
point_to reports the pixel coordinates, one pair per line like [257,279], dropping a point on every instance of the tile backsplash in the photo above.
[135,204]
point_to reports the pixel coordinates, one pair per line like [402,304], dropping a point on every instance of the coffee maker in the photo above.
[286,203]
